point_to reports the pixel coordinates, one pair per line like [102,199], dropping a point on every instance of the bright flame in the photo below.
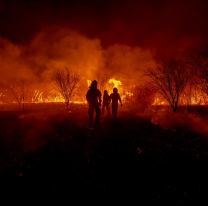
[126,96]
[158,101]
[89,82]
[129,94]
[115,82]
[52,98]
[37,96]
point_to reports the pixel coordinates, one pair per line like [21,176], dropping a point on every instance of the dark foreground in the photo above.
[50,157]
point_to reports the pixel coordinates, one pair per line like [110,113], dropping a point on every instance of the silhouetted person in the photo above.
[106,102]
[94,99]
[115,97]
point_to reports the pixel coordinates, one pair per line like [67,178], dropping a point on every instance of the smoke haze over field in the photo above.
[116,38]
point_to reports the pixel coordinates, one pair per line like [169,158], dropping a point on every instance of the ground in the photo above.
[149,156]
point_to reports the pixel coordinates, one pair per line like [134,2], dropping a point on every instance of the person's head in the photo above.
[105,92]
[93,84]
[115,90]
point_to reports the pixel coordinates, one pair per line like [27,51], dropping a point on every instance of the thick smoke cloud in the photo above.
[66,48]
[116,38]
[160,25]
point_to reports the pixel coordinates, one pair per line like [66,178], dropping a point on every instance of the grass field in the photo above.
[150,155]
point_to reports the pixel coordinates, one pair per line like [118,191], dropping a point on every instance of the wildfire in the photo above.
[52,98]
[197,101]
[115,82]
[89,82]
[127,95]
[37,96]
[158,101]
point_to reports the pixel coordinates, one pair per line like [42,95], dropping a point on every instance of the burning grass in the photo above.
[50,156]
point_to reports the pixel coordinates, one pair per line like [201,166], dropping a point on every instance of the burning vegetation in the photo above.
[154,52]
[168,81]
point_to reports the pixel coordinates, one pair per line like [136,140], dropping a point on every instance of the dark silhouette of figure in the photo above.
[115,97]
[94,99]
[106,102]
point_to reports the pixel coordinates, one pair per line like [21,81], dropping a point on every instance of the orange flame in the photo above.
[115,82]
[89,82]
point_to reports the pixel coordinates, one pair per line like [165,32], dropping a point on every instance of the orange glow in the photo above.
[127,93]
[89,82]
[115,82]
[126,96]
[52,98]
[159,101]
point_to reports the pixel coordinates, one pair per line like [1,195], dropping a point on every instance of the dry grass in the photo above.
[50,156]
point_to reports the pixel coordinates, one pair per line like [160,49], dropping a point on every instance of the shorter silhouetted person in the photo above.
[115,97]
[106,102]
[94,99]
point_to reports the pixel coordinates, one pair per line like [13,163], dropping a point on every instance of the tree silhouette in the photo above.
[169,78]
[201,62]
[19,90]
[66,82]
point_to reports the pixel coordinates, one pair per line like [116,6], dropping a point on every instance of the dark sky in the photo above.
[97,37]
[152,24]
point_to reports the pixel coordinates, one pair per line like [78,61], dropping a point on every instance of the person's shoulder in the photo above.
[98,91]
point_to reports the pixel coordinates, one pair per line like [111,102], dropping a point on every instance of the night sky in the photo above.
[38,36]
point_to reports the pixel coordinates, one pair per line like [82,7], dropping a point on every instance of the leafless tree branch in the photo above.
[66,82]
[169,78]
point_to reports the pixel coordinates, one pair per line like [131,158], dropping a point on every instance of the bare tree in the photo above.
[201,62]
[169,78]
[66,82]
[19,90]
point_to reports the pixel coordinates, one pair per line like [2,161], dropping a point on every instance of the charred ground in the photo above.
[48,155]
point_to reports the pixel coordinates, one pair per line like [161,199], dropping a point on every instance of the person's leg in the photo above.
[103,108]
[114,111]
[98,113]
[108,109]
[90,112]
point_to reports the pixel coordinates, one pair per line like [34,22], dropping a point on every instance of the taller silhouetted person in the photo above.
[115,97]
[94,99]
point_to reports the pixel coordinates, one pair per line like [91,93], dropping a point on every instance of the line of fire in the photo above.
[104,102]
[169,81]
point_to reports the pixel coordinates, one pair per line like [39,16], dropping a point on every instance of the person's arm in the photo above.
[87,96]
[99,98]
[119,98]
[110,98]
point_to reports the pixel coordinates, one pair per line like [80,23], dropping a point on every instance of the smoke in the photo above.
[159,26]
[59,48]
[110,38]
